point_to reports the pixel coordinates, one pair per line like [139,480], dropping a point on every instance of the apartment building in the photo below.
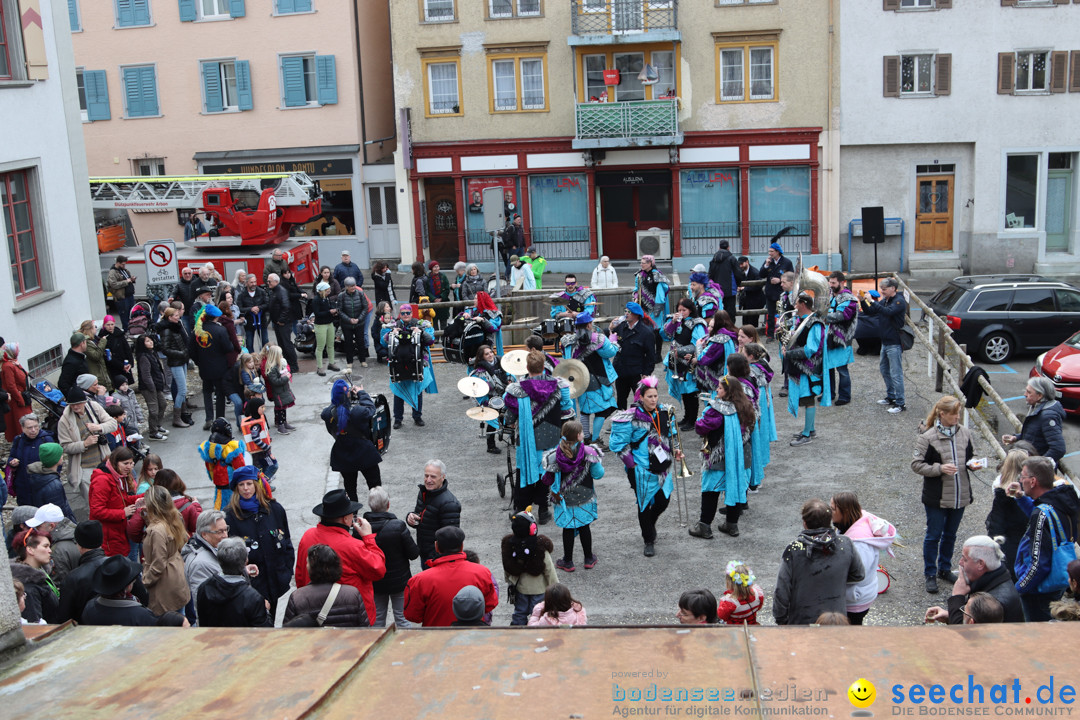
[182,87]
[53,283]
[958,119]
[617,127]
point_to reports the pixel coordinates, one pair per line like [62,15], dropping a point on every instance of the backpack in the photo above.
[1064,552]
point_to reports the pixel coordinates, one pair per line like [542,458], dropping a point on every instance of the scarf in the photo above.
[250,505]
[436,285]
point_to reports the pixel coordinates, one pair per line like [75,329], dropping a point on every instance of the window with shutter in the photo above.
[288,7]
[97,95]
[140,91]
[890,4]
[326,72]
[1006,71]
[1059,71]
[942,74]
[244,99]
[132,13]
[73,15]
[308,80]
[891,76]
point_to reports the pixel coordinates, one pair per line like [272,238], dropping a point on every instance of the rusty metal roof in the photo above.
[502,672]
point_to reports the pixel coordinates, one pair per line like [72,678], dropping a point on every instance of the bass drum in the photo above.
[406,358]
[461,348]
[380,425]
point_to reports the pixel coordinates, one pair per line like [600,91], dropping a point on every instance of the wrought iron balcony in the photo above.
[603,21]
[627,124]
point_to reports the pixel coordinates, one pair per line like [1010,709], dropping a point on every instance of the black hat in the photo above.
[74,395]
[204,289]
[88,534]
[335,504]
[118,380]
[115,574]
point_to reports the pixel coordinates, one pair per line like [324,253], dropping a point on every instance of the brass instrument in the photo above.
[804,280]
[681,499]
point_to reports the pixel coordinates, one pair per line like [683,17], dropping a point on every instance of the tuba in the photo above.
[815,283]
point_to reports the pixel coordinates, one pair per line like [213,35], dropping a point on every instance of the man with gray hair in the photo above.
[200,554]
[890,310]
[228,600]
[981,572]
[604,276]
[394,539]
[436,507]
[279,311]
[1042,426]
[353,317]
[277,264]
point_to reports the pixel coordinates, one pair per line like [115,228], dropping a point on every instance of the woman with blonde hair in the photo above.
[163,568]
[1006,521]
[942,454]
[279,387]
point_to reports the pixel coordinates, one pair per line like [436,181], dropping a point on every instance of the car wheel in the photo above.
[997,347]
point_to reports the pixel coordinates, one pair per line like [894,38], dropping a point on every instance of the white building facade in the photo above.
[53,282]
[960,122]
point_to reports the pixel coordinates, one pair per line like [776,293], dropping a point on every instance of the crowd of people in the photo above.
[104,532]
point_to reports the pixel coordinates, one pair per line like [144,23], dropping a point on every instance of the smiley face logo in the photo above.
[862,693]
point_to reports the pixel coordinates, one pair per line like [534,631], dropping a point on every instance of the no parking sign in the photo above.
[161,265]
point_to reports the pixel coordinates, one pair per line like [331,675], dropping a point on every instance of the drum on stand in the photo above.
[462,346]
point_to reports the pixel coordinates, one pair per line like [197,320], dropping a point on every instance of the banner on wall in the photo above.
[475,188]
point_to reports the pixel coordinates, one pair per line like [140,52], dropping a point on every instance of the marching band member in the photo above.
[486,367]
[704,294]
[762,374]
[539,404]
[841,321]
[651,293]
[726,425]
[595,350]
[408,332]
[739,368]
[713,351]
[535,342]
[644,437]
[806,363]
[685,328]
[490,318]
[575,299]
[570,470]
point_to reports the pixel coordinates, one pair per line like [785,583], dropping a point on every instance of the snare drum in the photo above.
[564,326]
[549,327]
[496,403]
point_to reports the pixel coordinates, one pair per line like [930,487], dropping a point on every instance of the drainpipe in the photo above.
[360,79]
[828,118]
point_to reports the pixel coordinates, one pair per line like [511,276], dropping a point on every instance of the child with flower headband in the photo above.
[743,599]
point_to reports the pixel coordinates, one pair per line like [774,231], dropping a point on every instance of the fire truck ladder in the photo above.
[186,192]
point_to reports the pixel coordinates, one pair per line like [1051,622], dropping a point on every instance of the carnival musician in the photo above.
[570,470]
[651,293]
[486,367]
[841,320]
[645,438]
[407,341]
[595,350]
[685,328]
[539,404]
[490,318]
[573,300]
[705,295]
[713,351]
[806,365]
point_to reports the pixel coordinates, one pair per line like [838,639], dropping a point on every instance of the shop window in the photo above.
[559,211]
[746,72]
[518,83]
[226,86]
[140,91]
[308,80]
[779,197]
[709,209]
[442,87]
[338,216]
[474,204]
[1021,190]
[22,238]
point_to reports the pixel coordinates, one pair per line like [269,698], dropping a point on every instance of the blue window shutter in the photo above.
[326,79]
[236,8]
[211,73]
[141,12]
[73,14]
[286,6]
[97,95]
[187,11]
[148,86]
[301,6]
[125,14]
[131,92]
[292,78]
[243,85]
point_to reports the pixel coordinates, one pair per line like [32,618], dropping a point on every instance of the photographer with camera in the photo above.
[82,431]
[348,419]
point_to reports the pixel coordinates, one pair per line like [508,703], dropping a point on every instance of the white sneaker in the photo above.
[884,401]
[896,409]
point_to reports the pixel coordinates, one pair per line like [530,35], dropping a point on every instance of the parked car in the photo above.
[1062,366]
[997,316]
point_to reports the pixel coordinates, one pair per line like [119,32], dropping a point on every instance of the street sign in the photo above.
[494,217]
[161,265]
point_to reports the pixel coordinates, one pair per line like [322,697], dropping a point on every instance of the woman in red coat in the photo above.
[13,382]
[111,501]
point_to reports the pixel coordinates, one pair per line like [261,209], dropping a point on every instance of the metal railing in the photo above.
[617,17]
[627,120]
[556,243]
[704,238]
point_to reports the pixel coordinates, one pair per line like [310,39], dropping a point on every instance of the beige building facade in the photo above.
[194,87]
[616,127]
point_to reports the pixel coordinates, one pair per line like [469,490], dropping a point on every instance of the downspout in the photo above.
[360,78]
[828,120]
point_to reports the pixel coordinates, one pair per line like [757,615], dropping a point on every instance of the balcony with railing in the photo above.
[601,22]
[627,124]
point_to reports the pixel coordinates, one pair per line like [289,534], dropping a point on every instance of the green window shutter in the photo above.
[326,79]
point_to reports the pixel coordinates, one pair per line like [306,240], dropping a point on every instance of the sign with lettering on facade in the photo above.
[161,265]
[314,168]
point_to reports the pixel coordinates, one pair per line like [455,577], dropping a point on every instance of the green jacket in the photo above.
[538,264]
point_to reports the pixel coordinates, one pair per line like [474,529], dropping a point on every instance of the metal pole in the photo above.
[495,257]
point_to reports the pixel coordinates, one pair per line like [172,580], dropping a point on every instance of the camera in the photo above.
[102,439]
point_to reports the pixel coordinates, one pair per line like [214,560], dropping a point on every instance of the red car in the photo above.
[1062,366]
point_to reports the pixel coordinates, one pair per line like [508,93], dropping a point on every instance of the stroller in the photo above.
[48,397]
[138,320]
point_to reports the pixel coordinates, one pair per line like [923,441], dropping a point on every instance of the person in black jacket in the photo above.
[252,301]
[186,291]
[1042,425]
[118,356]
[348,420]
[209,347]
[893,309]
[981,570]
[394,539]
[725,271]
[74,363]
[279,311]
[753,298]
[264,527]
[75,590]
[436,507]
[174,345]
[383,281]
[114,581]
[152,384]
[637,350]
[771,271]
[228,599]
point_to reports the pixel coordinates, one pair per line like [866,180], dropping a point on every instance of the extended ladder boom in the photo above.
[290,189]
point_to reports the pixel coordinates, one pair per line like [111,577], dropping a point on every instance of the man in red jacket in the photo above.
[429,596]
[362,562]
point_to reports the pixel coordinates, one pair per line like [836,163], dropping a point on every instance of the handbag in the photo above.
[907,338]
[1064,552]
[324,612]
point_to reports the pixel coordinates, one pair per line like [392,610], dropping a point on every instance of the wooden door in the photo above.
[442,222]
[618,223]
[934,218]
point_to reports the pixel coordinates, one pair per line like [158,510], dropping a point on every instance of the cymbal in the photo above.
[513,362]
[473,387]
[527,320]
[482,413]
[575,373]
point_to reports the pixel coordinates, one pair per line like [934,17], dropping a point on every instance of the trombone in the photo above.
[681,499]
